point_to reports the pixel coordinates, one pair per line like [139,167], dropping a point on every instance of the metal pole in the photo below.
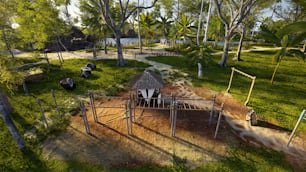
[42,113]
[296,126]
[230,81]
[219,119]
[55,103]
[250,91]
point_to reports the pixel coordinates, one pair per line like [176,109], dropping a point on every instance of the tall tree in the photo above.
[200,22]
[42,17]
[125,11]
[94,24]
[148,25]
[238,10]
[208,21]
[165,25]
[288,36]
[250,22]
[184,26]
[7,12]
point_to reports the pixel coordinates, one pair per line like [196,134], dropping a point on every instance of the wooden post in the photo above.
[55,103]
[212,110]
[174,118]
[219,119]
[296,126]
[230,81]
[25,88]
[46,57]
[131,118]
[42,113]
[84,117]
[127,117]
[250,91]
[93,107]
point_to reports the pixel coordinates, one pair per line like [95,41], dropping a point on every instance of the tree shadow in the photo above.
[265,124]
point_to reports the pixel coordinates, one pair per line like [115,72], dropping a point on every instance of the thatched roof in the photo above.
[147,80]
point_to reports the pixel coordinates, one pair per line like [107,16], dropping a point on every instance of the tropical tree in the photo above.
[231,13]
[208,21]
[148,25]
[164,26]
[184,26]
[288,36]
[116,18]
[94,24]
[42,17]
[7,12]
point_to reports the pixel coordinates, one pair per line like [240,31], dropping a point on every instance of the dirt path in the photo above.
[234,116]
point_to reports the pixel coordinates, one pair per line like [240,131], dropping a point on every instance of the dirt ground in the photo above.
[109,144]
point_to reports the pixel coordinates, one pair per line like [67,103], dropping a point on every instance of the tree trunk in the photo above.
[120,60]
[207,22]
[10,124]
[200,70]
[7,43]
[242,35]
[138,24]
[199,24]
[105,46]
[304,47]
[275,70]
[224,57]
[94,52]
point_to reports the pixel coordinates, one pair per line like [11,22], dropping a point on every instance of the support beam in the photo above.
[296,126]
[84,117]
[219,119]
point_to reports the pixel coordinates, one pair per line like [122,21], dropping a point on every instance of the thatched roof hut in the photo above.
[147,80]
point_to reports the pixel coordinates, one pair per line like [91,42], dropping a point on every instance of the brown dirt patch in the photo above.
[110,145]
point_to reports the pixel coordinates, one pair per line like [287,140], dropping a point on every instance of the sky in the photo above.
[74,10]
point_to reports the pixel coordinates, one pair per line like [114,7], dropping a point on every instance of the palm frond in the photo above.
[296,27]
[297,53]
[268,35]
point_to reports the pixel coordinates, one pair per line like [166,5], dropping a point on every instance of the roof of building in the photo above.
[147,80]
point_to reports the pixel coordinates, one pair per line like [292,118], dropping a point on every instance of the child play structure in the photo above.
[145,95]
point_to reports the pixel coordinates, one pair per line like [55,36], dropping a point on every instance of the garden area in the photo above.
[176,85]
[278,107]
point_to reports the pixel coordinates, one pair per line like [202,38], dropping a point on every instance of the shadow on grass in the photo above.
[265,124]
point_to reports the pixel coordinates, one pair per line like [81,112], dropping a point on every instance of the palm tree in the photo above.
[288,36]
[165,25]
[184,26]
[147,24]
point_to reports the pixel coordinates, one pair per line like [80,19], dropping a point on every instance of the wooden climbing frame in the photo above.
[131,103]
[244,74]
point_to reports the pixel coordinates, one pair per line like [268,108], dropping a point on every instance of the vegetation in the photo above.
[280,103]
[107,79]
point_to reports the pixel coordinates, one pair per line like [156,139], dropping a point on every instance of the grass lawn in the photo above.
[107,78]
[284,99]
[280,103]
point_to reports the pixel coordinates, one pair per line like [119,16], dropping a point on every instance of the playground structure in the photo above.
[244,74]
[128,106]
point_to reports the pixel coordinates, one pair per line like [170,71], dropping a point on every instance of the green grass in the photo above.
[287,97]
[108,78]
[280,103]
